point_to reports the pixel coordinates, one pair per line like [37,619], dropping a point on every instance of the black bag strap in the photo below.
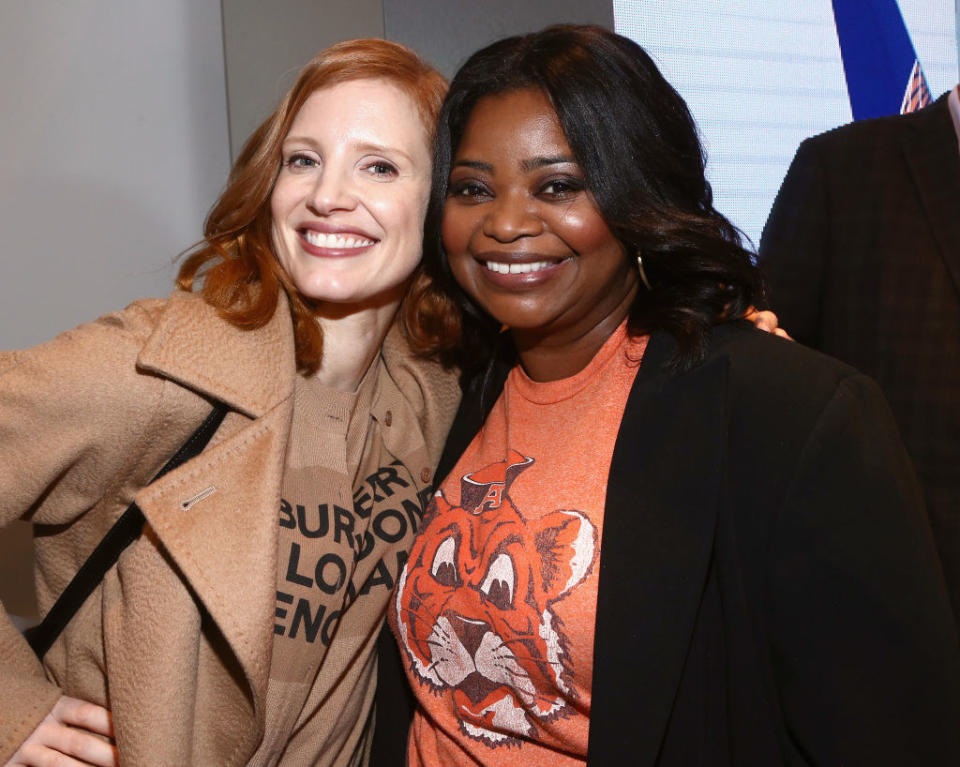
[124,532]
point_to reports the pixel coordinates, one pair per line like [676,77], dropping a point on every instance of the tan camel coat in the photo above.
[177,640]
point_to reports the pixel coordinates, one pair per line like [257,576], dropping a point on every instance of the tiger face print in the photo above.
[473,605]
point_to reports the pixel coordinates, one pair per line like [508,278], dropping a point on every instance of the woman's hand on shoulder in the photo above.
[765,321]
[69,736]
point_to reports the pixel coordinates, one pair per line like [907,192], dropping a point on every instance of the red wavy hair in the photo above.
[241,276]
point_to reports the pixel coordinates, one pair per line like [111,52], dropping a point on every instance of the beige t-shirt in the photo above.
[348,513]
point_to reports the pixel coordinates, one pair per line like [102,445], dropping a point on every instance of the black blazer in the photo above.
[862,254]
[769,593]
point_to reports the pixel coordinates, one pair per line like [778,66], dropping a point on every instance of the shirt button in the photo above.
[388,418]
[426,475]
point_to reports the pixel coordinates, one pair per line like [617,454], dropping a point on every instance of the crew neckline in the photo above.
[548,392]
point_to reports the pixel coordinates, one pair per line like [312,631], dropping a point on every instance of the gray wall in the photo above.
[266,43]
[114,146]
[445,32]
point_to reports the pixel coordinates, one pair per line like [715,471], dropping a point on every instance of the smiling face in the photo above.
[349,202]
[524,236]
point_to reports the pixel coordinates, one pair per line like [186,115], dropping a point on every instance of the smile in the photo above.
[503,268]
[335,241]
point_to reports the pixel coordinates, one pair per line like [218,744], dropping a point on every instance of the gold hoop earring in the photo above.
[643,274]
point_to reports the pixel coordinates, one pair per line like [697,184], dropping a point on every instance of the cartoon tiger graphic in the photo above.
[473,605]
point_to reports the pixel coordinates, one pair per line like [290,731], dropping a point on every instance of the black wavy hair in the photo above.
[640,152]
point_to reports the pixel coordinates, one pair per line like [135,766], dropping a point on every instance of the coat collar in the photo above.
[930,146]
[662,499]
[216,515]
[246,369]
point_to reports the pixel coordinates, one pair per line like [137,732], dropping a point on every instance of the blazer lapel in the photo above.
[931,148]
[658,531]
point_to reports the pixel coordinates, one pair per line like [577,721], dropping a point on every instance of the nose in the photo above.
[509,218]
[332,191]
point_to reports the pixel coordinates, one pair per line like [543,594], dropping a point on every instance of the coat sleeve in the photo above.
[69,413]
[794,246]
[864,649]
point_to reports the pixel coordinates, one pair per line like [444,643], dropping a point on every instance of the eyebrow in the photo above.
[540,162]
[525,165]
[364,146]
[475,164]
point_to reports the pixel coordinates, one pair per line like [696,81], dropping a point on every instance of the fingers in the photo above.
[40,756]
[69,736]
[81,713]
[86,748]
[37,755]
[765,321]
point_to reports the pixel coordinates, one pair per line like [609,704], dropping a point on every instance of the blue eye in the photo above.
[300,161]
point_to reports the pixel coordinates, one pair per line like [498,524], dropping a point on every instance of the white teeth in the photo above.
[324,240]
[503,268]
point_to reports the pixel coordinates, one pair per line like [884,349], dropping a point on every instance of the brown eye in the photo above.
[561,188]
[381,170]
[470,190]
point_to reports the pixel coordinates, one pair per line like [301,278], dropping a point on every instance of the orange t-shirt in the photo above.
[495,608]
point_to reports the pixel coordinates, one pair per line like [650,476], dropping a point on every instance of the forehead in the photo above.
[519,124]
[372,110]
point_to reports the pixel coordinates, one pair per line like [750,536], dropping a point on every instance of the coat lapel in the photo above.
[931,148]
[216,515]
[658,530]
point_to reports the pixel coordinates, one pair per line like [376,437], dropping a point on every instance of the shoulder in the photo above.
[118,337]
[774,357]
[95,368]
[864,137]
[756,356]
[784,387]
[99,344]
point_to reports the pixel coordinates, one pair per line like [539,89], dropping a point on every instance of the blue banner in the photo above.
[883,74]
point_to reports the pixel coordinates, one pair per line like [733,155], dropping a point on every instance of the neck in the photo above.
[351,341]
[558,355]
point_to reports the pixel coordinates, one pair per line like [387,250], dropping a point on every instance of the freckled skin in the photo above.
[516,192]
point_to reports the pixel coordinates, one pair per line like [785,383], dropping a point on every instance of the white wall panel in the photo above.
[762,75]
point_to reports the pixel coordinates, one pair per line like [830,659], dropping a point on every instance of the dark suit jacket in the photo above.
[862,254]
[768,589]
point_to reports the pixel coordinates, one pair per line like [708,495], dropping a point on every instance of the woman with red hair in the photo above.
[228,634]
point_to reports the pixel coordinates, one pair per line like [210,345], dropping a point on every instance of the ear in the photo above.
[567,544]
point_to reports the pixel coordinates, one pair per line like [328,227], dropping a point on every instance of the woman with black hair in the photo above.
[663,538]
